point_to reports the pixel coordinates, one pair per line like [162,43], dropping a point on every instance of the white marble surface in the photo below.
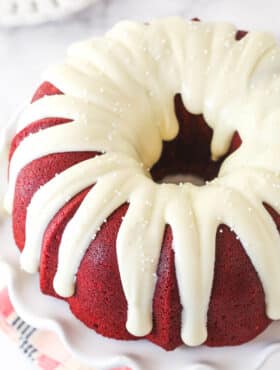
[25,52]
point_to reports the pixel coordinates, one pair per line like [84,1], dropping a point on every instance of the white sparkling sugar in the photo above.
[119,93]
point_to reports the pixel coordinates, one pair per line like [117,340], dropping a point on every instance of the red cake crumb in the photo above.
[46,89]
[240,34]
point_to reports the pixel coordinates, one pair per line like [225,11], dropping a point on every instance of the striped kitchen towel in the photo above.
[41,347]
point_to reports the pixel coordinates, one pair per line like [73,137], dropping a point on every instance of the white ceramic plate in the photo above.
[28,12]
[94,350]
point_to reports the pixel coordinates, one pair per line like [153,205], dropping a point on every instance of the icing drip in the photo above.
[119,94]
[68,183]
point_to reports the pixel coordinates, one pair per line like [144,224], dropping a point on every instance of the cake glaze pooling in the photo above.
[118,92]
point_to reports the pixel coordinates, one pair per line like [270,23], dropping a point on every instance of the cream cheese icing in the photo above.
[118,92]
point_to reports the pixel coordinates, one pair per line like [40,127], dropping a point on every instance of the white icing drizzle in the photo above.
[48,197]
[119,94]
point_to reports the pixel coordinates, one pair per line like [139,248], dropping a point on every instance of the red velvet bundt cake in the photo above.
[132,255]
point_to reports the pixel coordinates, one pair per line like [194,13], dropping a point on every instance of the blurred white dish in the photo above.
[28,12]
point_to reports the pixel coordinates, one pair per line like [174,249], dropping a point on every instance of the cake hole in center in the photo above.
[182,178]
[187,158]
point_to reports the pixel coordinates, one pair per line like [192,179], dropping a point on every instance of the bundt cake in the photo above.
[133,255]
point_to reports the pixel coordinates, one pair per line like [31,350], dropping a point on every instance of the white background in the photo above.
[25,52]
